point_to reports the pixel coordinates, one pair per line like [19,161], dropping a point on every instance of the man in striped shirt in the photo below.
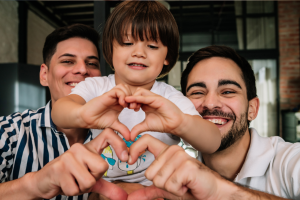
[33,162]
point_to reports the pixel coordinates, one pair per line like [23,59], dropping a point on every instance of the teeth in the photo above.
[217,121]
[73,84]
[140,65]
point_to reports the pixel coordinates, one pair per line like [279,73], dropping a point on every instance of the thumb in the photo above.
[137,129]
[121,128]
[109,190]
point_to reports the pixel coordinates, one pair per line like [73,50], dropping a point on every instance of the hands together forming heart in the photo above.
[102,112]
[80,170]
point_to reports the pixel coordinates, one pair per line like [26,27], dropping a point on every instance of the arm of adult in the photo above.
[77,171]
[101,112]
[176,175]
[164,116]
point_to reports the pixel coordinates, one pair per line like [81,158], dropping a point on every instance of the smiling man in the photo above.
[221,84]
[39,160]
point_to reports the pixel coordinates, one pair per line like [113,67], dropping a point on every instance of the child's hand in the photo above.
[103,111]
[161,114]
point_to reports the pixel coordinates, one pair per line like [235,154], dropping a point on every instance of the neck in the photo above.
[229,162]
[133,86]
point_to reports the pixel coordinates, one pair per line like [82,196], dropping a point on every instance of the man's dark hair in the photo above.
[223,52]
[67,32]
[148,20]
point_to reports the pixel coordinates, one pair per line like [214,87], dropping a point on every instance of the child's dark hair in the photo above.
[67,32]
[149,19]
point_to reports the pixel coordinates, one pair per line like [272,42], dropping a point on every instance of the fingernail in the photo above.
[129,159]
[124,155]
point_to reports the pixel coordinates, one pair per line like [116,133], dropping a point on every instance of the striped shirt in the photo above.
[28,141]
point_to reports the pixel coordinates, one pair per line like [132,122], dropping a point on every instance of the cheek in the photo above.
[95,72]
[236,106]
[197,103]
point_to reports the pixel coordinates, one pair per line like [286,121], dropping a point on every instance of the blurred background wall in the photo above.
[264,32]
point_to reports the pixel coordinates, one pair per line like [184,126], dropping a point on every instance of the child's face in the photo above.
[138,63]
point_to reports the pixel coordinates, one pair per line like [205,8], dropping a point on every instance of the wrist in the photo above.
[228,190]
[183,129]
[28,185]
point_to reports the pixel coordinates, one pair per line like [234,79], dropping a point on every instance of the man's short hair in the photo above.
[223,52]
[67,32]
[148,20]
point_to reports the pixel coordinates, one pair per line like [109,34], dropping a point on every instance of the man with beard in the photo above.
[221,84]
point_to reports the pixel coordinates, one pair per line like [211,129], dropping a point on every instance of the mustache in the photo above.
[218,113]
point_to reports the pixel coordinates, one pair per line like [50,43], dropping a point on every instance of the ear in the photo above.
[166,62]
[253,108]
[44,75]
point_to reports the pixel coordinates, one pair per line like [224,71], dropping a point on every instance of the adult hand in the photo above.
[79,170]
[175,174]
[162,115]
[103,111]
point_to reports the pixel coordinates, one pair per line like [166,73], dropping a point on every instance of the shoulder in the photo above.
[165,90]
[13,124]
[286,164]
[175,96]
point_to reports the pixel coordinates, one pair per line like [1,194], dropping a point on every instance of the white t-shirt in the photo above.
[271,165]
[96,86]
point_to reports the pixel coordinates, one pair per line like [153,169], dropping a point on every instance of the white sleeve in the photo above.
[289,170]
[90,88]
[181,101]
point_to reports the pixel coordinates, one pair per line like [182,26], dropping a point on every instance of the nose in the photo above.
[80,68]
[211,101]
[139,51]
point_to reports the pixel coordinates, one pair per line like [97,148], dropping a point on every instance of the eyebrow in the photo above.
[228,82]
[198,84]
[72,55]
[221,83]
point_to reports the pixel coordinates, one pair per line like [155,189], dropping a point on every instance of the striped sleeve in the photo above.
[9,131]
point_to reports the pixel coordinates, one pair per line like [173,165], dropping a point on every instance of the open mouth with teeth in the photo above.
[72,84]
[218,121]
[137,65]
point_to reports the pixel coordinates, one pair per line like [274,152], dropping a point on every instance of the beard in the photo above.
[237,130]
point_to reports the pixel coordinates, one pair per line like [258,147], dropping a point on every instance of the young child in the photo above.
[140,42]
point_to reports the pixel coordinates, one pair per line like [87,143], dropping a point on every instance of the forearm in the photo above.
[21,188]
[66,113]
[236,191]
[200,133]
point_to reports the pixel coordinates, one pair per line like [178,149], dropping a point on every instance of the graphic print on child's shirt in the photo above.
[107,155]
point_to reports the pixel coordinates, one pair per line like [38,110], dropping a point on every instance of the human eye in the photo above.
[93,64]
[67,61]
[127,43]
[153,47]
[228,93]
[196,94]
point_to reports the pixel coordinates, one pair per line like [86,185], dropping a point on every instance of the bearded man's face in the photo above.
[218,91]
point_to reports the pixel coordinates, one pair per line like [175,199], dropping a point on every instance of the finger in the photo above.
[152,192]
[68,185]
[132,105]
[146,142]
[152,101]
[168,162]
[109,137]
[121,128]
[109,190]
[80,173]
[138,107]
[138,129]
[143,92]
